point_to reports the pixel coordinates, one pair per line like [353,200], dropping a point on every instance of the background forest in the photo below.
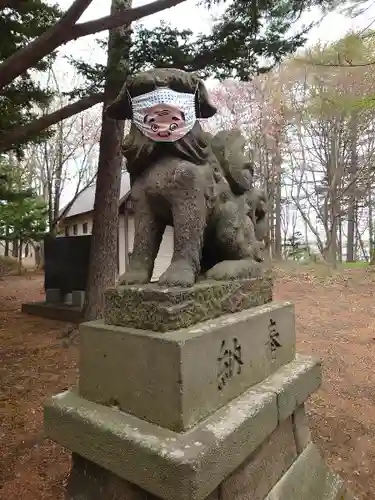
[309,124]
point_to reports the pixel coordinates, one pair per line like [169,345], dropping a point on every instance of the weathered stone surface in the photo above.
[254,479]
[150,307]
[88,481]
[307,479]
[173,466]
[294,383]
[301,429]
[175,379]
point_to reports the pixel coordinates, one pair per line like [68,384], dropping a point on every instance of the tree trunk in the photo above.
[58,178]
[39,254]
[15,248]
[277,192]
[265,184]
[333,249]
[360,245]
[339,237]
[370,226]
[332,203]
[269,187]
[20,257]
[6,249]
[103,257]
[352,209]
[50,205]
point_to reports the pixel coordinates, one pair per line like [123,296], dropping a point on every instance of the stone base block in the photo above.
[53,296]
[164,309]
[193,464]
[88,481]
[301,428]
[262,470]
[78,298]
[176,379]
[59,312]
[309,479]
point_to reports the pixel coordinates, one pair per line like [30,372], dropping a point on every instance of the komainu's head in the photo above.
[147,81]
[140,150]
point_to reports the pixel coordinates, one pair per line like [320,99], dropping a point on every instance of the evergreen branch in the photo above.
[66,30]
[11,4]
[51,39]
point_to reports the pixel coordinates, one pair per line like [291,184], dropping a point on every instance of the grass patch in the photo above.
[320,270]
[360,264]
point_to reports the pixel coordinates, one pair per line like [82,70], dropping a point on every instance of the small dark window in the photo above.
[85,228]
[66,230]
[75,229]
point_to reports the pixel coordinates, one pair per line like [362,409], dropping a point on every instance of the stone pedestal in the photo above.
[214,410]
[177,378]
[163,309]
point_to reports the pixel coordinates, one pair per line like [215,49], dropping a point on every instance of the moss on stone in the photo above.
[149,307]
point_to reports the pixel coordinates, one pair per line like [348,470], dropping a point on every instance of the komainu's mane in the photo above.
[141,152]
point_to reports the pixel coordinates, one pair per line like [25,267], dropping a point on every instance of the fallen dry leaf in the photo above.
[335,320]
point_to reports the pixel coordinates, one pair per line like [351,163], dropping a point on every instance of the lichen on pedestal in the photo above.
[151,307]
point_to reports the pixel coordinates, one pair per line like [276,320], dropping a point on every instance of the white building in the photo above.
[76,219]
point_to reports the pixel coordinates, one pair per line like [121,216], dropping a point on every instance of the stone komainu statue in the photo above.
[186,178]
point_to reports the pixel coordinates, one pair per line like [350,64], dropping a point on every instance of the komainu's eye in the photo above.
[173,126]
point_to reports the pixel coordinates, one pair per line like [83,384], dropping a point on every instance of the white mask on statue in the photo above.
[164,115]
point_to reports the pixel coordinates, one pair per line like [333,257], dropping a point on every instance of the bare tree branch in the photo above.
[339,65]
[18,135]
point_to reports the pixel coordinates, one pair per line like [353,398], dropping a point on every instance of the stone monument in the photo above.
[190,388]
[65,278]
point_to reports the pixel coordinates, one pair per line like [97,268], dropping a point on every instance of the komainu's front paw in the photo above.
[178,274]
[134,277]
[235,269]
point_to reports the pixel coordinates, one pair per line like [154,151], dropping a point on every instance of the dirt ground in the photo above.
[335,320]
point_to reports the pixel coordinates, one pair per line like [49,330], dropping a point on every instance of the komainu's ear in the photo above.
[203,106]
[121,108]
